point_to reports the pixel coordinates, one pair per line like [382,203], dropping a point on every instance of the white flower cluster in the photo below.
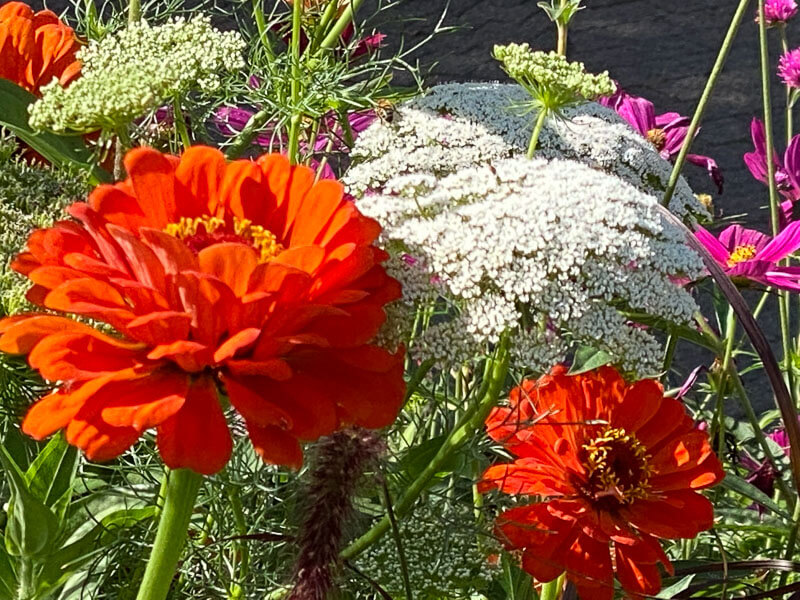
[468,124]
[127,74]
[548,250]
[447,554]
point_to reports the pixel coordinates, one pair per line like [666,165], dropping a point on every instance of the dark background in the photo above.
[663,50]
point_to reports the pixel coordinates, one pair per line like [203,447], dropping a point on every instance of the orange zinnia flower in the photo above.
[245,279]
[36,47]
[617,465]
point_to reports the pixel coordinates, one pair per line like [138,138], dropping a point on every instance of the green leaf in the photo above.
[31,527]
[8,579]
[517,584]
[740,486]
[670,592]
[418,457]
[60,150]
[52,472]
[588,358]
[62,564]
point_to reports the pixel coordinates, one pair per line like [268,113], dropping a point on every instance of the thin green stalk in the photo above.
[182,488]
[470,422]
[294,129]
[669,353]
[791,542]
[180,124]
[398,540]
[561,45]
[730,338]
[774,203]
[325,20]
[747,407]
[537,129]
[241,558]
[341,24]
[704,98]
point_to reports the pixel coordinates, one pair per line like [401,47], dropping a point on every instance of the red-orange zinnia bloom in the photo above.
[617,466]
[245,279]
[36,47]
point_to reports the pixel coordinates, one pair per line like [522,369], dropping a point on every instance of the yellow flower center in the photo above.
[617,465]
[658,138]
[200,232]
[741,254]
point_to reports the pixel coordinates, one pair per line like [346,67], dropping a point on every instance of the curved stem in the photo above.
[704,98]
[181,493]
[469,423]
[537,129]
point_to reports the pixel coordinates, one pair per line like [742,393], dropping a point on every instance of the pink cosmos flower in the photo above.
[789,68]
[751,255]
[666,132]
[778,12]
[787,169]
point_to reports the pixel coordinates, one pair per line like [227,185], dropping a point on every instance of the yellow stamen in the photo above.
[658,138]
[741,254]
[617,465]
[188,227]
[261,238]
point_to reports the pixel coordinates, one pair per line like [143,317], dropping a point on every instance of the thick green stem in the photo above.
[470,422]
[704,98]
[182,488]
[537,129]
[294,129]
[247,135]
[341,24]
[134,10]
[563,30]
[27,589]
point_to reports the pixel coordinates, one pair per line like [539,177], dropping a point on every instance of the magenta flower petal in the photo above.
[777,12]
[786,242]
[713,245]
[640,113]
[711,166]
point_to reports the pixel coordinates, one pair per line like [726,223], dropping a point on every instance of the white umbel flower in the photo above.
[548,250]
[468,124]
[127,74]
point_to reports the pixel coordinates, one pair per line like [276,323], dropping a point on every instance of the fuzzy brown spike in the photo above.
[338,464]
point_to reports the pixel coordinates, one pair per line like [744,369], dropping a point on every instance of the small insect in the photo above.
[385,111]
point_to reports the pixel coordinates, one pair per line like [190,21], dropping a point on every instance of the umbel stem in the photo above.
[181,486]
[537,129]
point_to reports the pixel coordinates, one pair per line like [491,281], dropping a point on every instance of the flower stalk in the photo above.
[182,486]
[294,130]
[563,29]
[537,129]
[473,419]
[711,83]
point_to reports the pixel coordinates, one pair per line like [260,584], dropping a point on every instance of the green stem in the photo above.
[563,30]
[470,422]
[327,17]
[182,488]
[180,124]
[537,129]
[134,10]
[398,540]
[774,203]
[730,338]
[341,24]
[294,130]
[27,589]
[704,98]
